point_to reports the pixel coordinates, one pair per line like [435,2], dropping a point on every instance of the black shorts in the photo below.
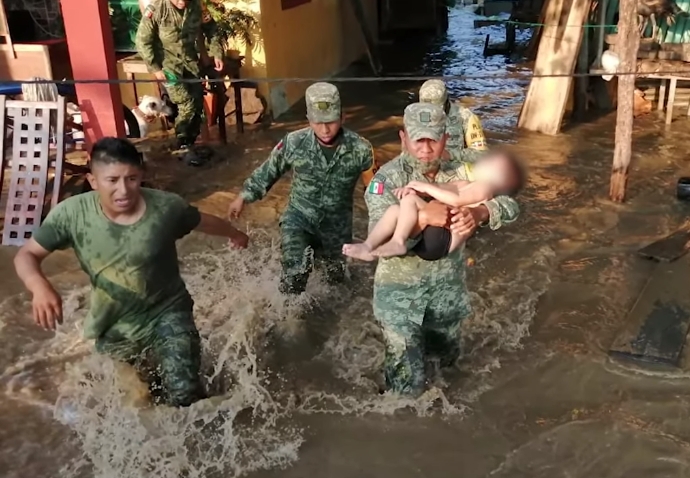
[434,245]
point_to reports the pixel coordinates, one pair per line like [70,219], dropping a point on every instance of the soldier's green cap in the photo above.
[424,120]
[433,91]
[323,103]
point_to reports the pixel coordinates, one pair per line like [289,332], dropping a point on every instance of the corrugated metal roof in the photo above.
[679,32]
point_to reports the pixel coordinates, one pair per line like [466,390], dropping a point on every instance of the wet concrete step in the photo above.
[657,326]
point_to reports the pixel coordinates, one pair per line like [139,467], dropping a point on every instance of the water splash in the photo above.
[246,425]
[236,304]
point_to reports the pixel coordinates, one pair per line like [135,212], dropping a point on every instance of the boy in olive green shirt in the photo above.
[124,237]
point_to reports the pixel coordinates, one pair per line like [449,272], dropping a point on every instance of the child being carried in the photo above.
[495,175]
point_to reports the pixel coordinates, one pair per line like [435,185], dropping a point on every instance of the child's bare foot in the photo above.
[390,249]
[358,251]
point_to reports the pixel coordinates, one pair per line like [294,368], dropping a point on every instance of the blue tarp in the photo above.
[12,88]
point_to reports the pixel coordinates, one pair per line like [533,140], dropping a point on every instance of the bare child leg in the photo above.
[382,231]
[407,220]
[455,242]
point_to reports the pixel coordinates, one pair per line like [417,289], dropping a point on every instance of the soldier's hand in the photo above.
[47,307]
[236,207]
[434,214]
[464,221]
[417,186]
[205,59]
[402,192]
[239,240]
[160,76]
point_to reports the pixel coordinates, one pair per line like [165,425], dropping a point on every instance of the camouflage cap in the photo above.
[424,120]
[433,91]
[323,103]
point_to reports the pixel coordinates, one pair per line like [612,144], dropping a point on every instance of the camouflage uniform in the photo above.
[140,310]
[463,127]
[318,217]
[167,41]
[420,304]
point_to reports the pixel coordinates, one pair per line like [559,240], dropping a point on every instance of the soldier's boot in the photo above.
[444,347]
[335,272]
[185,151]
[405,374]
[450,355]
[293,284]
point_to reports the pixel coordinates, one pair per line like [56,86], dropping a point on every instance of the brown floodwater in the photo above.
[535,394]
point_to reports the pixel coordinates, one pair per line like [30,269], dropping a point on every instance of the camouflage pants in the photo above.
[304,245]
[189,98]
[419,319]
[169,359]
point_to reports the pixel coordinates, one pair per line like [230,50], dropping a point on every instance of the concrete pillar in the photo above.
[92,55]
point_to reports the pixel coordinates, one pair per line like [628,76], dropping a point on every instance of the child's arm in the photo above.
[456,193]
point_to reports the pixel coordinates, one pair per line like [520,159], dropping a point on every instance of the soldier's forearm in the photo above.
[481,213]
[502,210]
[148,56]
[145,41]
[217,49]
[249,195]
[149,60]
[211,34]
[258,185]
[201,45]
[154,67]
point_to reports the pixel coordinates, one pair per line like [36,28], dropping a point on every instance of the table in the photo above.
[669,82]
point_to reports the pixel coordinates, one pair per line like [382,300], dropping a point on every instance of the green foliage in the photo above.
[124,19]
[233,23]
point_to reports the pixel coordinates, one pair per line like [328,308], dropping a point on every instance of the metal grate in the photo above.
[31,164]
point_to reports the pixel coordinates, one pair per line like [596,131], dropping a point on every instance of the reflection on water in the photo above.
[495,85]
[283,373]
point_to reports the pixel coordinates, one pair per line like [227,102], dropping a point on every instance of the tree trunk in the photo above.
[626,46]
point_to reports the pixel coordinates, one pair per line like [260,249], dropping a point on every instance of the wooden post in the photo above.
[627,44]
[559,47]
[603,5]
[580,102]
[510,37]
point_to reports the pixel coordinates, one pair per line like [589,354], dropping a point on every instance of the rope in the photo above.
[546,25]
[354,79]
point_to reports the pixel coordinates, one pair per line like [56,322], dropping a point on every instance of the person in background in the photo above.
[170,41]
[464,128]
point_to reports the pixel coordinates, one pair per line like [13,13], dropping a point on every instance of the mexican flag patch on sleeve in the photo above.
[376,187]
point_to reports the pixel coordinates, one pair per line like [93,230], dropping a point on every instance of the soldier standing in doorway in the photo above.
[170,40]
[463,127]
[327,160]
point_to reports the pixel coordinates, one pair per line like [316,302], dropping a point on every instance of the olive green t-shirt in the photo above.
[134,269]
